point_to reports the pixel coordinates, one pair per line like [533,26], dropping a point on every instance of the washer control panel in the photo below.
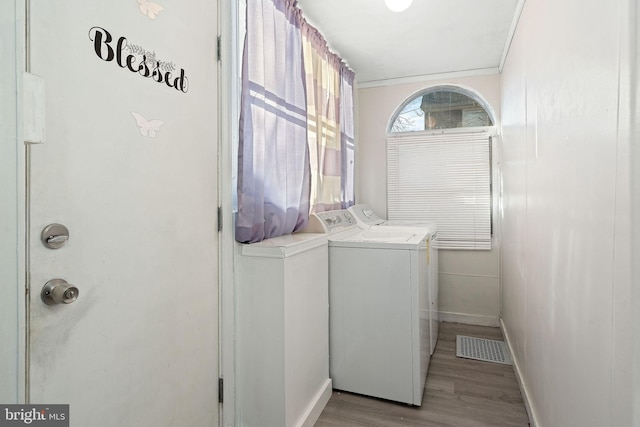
[365,215]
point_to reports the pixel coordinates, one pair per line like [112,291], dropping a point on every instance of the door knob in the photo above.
[58,291]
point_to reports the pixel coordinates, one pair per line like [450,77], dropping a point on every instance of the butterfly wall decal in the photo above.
[150,8]
[147,127]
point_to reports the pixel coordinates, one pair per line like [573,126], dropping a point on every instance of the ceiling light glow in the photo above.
[398,5]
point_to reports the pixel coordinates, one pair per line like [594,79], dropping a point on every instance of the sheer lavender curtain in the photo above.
[273,156]
[347,139]
[323,87]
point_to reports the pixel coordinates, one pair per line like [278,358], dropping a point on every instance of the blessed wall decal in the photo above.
[136,59]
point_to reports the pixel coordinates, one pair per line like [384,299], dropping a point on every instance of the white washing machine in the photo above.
[367,218]
[378,308]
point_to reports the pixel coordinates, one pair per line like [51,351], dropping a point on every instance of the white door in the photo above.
[129,166]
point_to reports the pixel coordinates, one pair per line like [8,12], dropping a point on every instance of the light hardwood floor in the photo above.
[459,393]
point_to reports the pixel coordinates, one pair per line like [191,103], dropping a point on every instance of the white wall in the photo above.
[11,210]
[469,280]
[566,223]
[630,109]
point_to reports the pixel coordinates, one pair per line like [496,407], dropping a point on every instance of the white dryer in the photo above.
[379,339]
[367,218]
[282,341]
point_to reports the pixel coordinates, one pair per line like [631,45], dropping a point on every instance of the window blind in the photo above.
[444,178]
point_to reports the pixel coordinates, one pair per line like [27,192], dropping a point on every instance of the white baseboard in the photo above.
[468,319]
[317,406]
[531,413]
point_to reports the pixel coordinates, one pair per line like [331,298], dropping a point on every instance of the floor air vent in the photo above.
[482,349]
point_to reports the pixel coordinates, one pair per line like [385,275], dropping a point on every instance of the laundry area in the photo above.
[298,213]
[427,277]
[360,311]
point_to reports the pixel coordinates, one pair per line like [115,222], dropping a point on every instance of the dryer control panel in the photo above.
[332,222]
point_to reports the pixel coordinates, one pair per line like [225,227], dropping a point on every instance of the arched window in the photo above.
[439,165]
[442,107]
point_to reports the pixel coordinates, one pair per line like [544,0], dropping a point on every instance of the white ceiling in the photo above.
[431,37]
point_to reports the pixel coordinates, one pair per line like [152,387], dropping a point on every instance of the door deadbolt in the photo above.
[58,291]
[54,236]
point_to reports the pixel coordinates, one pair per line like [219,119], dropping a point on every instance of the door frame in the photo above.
[13,194]
[228,115]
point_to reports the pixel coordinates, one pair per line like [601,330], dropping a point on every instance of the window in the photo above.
[439,166]
[441,108]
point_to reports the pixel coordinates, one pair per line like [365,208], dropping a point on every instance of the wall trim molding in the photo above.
[428,77]
[486,276]
[531,413]
[512,32]
[469,319]
[321,400]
